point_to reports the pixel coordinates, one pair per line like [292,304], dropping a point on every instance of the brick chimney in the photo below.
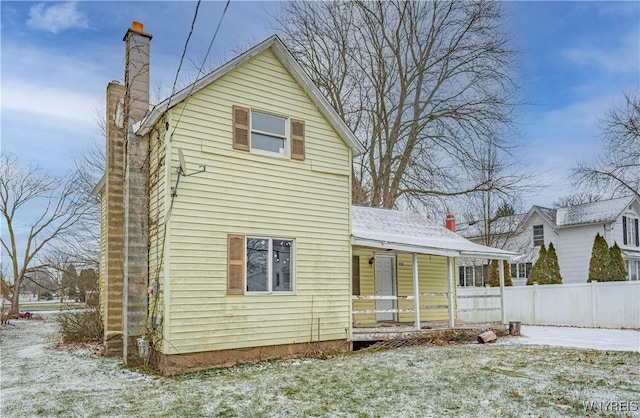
[450,222]
[136,199]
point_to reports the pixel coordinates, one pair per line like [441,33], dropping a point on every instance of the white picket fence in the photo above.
[594,305]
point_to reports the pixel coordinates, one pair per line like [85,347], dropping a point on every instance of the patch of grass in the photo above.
[460,381]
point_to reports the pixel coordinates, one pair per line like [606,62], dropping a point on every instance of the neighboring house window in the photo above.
[470,276]
[267,133]
[538,235]
[520,270]
[269,264]
[630,234]
[633,269]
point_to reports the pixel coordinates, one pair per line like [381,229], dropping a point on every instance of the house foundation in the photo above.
[191,362]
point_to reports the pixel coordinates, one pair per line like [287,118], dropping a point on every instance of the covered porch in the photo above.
[404,274]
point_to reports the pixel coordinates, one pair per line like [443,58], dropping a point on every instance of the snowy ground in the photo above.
[510,378]
[598,339]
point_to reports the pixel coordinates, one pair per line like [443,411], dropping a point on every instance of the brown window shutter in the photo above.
[235,264]
[355,274]
[624,230]
[240,128]
[297,139]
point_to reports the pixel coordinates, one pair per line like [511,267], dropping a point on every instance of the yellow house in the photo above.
[251,255]
[227,222]
[248,199]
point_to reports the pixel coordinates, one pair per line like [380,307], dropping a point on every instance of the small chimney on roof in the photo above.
[450,222]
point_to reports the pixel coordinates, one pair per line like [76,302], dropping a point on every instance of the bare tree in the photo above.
[83,245]
[57,269]
[617,169]
[56,205]
[422,84]
[493,208]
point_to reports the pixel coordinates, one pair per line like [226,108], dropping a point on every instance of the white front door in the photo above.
[385,286]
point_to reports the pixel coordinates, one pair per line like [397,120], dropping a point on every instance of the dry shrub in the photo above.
[80,325]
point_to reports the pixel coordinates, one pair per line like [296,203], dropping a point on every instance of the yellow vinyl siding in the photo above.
[256,195]
[432,273]
[367,287]
[159,191]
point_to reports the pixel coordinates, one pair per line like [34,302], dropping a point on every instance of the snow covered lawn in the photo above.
[599,339]
[504,379]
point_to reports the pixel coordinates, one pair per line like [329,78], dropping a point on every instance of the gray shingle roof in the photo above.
[603,211]
[413,232]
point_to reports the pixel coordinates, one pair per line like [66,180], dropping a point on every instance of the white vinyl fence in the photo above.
[595,305]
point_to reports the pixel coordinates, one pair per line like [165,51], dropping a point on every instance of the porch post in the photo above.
[450,290]
[416,293]
[503,315]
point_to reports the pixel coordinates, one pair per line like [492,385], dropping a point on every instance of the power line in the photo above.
[184,52]
[193,85]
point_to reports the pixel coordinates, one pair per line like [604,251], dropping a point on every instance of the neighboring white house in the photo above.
[571,230]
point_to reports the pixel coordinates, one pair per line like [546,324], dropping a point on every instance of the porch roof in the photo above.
[395,230]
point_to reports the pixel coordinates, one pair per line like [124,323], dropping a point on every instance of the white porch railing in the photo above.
[397,298]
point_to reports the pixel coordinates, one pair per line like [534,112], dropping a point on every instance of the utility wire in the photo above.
[193,85]
[184,52]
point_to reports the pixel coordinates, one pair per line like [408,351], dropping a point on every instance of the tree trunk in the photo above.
[15,299]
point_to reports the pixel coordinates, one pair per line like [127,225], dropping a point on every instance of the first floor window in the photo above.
[633,269]
[521,270]
[472,276]
[269,264]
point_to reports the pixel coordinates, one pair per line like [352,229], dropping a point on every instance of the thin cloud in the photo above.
[59,105]
[56,18]
[622,58]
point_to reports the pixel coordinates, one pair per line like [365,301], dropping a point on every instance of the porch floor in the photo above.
[404,330]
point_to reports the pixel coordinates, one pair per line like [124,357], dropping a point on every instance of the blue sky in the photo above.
[576,59]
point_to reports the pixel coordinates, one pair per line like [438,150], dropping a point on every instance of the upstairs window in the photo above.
[266,133]
[630,235]
[538,235]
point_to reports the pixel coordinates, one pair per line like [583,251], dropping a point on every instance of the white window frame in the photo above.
[472,274]
[631,231]
[284,153]
[521,270]
[270,266]
[633,269]
[539,236]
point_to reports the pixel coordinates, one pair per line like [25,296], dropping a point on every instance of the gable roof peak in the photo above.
[282,53]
